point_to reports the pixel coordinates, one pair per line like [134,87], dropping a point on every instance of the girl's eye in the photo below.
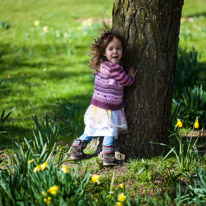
[110,49]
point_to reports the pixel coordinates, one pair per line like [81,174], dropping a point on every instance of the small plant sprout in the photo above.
[5,116]
[196,125]
[95,178]
[53,190]
[185,152]
[179,123]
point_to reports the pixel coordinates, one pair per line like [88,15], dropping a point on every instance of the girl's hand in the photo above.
[132,73]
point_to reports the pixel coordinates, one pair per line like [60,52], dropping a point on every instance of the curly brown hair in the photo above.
[99,46]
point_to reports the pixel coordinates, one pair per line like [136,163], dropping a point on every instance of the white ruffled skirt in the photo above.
[101,122]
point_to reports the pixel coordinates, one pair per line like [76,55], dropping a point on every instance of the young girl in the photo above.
[105,115]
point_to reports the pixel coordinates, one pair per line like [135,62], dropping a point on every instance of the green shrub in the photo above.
[28,180]
[30,171]
[68,116]
[47,186]
[187,70]
[192,104]
[48,131]
[186,153]
[187,95]
[195,193]
[4,25]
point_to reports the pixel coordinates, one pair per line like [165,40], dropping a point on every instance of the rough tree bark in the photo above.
[151,30]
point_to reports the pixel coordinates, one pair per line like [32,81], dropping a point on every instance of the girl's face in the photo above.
[113,51]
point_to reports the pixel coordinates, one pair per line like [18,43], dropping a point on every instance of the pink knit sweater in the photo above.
[108,86]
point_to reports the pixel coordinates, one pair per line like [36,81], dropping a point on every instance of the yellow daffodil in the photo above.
[48,202]
[44,165]
[64,169]
[36,23]
[119,204]
[30,161]
[196,125]
[122,197]
[121,186]
[179,123]
[43,193]
[37,168]
[45,29]
[95,178]
[53,190]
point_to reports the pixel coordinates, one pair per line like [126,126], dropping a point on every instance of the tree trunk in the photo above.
[151,31]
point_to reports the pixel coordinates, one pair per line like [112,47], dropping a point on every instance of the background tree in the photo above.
[151,30]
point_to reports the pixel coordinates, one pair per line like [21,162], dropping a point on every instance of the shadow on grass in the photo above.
[32,74]
[65,133]
[18,57]
[12,133]
[202,74]
[59,109]
[42,62]
[203,14]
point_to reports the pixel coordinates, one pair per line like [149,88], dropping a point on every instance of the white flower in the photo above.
[45,29]
[36,23]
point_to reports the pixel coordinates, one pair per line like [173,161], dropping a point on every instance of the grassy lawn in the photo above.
[40,68]
[193,31]
[47,64]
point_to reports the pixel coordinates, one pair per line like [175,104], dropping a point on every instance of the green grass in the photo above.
[193,31]
[39,69]
[193,8]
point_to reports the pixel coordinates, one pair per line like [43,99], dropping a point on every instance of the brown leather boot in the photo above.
[77,150]
[109,156]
